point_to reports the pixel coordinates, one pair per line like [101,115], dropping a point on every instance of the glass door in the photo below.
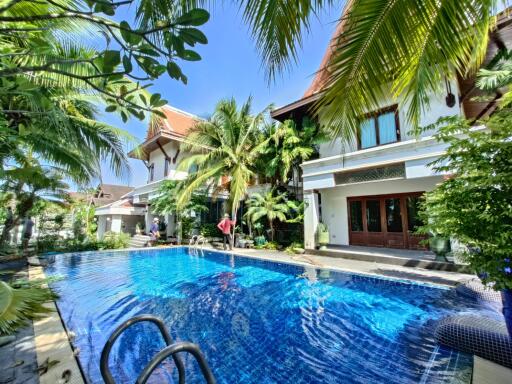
[385,220]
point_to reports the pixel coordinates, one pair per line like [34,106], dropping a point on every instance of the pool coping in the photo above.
[481,368]
[52,341]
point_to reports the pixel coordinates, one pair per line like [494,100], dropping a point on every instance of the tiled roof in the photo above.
[177,122]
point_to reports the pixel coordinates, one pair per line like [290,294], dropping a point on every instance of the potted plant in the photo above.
[440,245]
[322,233]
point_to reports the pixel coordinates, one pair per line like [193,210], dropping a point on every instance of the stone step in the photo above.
[139,241]
[388,259]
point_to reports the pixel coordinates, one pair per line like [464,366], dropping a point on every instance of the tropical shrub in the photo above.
[474,203]
[294,248]
[271,245]
[22,301]
[113,240]
[209,230]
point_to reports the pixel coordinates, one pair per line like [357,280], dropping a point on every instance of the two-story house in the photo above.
[367,191]
[161,153]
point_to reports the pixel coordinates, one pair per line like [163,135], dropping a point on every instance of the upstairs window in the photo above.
[151,172]
[379,128]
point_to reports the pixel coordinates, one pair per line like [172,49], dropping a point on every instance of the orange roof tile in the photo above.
[322,75]
[177,122]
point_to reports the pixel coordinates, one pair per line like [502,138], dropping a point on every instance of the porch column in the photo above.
[117,221]
[311,218]
[102,226]
[148,217]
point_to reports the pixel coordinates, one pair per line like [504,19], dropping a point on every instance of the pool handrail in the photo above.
[172,350]
[105,353]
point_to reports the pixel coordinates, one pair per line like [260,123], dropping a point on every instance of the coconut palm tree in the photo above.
[289,147]
[29,184]
[58,125]
[497,76]
[224,149]
[268,205]
[381,50]
[166,203]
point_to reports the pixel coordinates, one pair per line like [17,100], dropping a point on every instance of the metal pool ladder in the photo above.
[170,350]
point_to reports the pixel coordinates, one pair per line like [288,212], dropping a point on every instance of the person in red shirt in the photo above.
[225,227]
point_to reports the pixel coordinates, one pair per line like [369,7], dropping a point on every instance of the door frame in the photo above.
[384,233]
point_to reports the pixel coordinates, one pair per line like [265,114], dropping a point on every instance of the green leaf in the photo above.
[111,59]
[127,64]
[160,103]
[147,50]
[111,108]
[192,36]
[148,64]
[154,98]
[127,34]
[194,17]
[189,55]
[174,70]
[124,116]
[174,43]
[184,79]
[143,98]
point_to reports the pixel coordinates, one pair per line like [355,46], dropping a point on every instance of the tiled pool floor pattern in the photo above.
[257,321]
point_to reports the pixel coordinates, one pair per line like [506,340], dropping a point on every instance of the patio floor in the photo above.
[402,257]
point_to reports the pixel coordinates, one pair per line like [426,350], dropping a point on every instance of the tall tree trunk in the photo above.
[271,225]
[6,230]
[179,232]
[234,212]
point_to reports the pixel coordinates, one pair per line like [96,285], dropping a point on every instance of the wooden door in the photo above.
[382,221]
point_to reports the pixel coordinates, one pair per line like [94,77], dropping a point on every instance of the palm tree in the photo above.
[58,125]
[270,205]
[30,184]
[381,50]
[166,203]
[289,147]
[224,149]
[497,76]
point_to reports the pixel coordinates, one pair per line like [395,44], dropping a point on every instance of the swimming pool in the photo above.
[256,321]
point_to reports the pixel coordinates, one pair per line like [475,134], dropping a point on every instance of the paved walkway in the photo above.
[357,266]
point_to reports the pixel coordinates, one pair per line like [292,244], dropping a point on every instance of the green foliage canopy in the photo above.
[474,204]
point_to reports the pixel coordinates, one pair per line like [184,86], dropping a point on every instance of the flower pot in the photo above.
[506,298]
[259,240]
[440,246]
[323,239]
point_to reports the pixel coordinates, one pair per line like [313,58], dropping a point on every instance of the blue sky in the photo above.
[230,67]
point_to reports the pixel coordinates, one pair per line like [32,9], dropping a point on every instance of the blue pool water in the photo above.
[256,321]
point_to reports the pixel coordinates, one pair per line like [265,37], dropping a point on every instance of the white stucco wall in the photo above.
[334,201]
[117,222]
[157,158]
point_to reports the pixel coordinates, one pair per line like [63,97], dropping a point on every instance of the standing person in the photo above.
[27,232]
[225,227]
[154,231]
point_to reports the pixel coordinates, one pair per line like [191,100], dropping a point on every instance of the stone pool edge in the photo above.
[52,342]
